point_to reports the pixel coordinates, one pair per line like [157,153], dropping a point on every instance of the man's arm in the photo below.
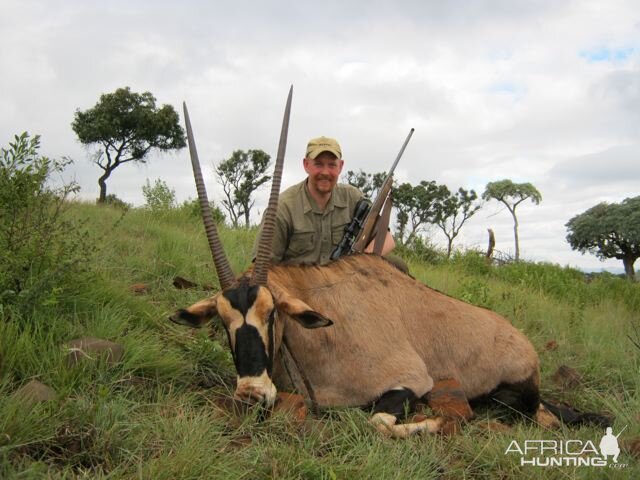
[389,244]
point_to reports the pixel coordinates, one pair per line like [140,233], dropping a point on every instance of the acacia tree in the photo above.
[609,231]
[416,206]
[452,211]
[127,126]
[240,175]
[511,195]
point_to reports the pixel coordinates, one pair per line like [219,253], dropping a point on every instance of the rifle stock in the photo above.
[369,225]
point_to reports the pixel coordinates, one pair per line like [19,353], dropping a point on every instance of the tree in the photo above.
[511,195]
[452,211]
[127,125]
[415,206]
[367,183]
[241,175]
[609,231]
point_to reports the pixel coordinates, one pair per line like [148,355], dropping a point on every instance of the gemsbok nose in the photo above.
[256,390]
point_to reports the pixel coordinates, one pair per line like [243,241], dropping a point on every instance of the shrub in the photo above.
[421,250]
[41,248]
[192,208]
[116,202]
[159,197]
[471,261]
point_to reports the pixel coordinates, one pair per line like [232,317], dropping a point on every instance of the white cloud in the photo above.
[540,91]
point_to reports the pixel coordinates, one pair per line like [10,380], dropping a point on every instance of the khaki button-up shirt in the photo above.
[304,233]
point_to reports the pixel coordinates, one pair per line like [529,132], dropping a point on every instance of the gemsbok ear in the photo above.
[197,314]
[299,311]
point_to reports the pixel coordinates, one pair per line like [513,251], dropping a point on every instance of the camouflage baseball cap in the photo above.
[323,144]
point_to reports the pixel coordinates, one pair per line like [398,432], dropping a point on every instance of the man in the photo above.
[312,214]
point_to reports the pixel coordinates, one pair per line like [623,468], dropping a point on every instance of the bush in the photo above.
[192,208]
[41,248]
[159,197]
[421,250]
[116,202]
[564,283]
[471,261]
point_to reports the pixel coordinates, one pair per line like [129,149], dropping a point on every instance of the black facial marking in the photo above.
[396,402]
[250,352]
[242,297]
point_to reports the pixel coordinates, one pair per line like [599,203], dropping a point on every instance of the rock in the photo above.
[632,447]
[551,345]
[139,288]
[182,283]
[36,392]
[293,405]
[448,399]
[567,377]
[91,348]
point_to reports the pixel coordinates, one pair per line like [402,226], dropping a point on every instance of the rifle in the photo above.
[360,231]
[352,230]
[376,223]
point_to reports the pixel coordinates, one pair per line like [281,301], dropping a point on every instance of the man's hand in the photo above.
[389,244]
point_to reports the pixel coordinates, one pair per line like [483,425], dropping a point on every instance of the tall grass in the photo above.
[157,413]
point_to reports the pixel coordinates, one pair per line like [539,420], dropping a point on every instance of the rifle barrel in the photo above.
[404,145]
[372,217]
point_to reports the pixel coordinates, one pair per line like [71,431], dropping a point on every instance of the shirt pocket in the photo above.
[301,243]
[337,232]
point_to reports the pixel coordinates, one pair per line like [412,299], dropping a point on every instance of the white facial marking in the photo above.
[256,389]
[258,314]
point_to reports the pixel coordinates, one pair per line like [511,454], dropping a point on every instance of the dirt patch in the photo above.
[567,377]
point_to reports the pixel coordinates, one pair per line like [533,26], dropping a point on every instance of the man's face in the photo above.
[323,171]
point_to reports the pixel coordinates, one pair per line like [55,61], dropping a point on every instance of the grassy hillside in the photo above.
[158,414]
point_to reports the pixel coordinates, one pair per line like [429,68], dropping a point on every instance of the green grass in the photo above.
[155,415]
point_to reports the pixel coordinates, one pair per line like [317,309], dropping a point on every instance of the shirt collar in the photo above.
[336,200]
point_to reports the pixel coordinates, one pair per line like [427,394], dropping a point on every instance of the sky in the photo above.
[540,91]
